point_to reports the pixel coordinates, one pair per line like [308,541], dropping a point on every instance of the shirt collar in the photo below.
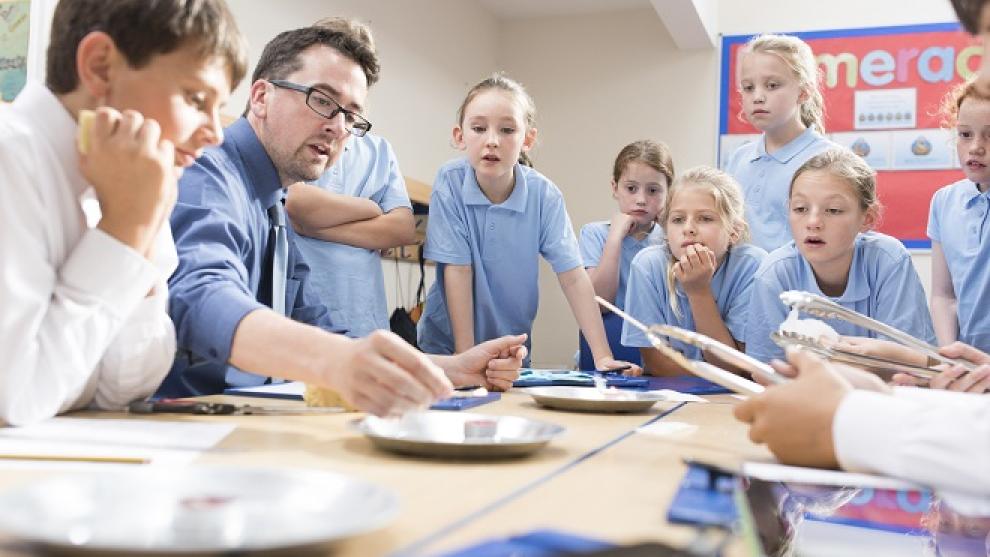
[790,150]
[516,201]
[857,289]
[973,194]
[53,121]
[243,144]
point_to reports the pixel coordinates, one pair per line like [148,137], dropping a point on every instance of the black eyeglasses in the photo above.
[326,106]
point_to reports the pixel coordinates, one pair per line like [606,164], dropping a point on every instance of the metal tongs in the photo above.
[827,309]
[702,369]
[873,364]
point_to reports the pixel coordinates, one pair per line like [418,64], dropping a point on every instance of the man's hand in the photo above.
[384,375]
[493,364]
[695,268]
[132,170]
[794,419]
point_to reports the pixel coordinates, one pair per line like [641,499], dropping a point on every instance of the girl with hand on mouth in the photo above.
[778,82]
[700,280]
[491,218]
[833,207]
[642,172]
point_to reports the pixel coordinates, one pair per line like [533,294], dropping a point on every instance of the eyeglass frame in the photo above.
[358,118]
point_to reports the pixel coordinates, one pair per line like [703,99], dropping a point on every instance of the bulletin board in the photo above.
[14,34]
[882,88]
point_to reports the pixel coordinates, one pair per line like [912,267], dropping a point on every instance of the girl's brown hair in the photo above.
[654,154]
[849,167]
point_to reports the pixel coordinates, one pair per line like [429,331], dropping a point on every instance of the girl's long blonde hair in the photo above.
[799,58]
[728,204]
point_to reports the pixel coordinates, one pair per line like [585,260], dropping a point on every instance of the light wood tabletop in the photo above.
[601,479]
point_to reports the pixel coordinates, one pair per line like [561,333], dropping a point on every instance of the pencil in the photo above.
[77,458]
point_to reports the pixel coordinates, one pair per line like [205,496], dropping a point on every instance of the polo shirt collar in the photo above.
[260,173]
[789,151]
[516,201]
[973,193]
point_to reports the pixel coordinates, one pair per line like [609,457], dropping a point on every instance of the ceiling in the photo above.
[524,9]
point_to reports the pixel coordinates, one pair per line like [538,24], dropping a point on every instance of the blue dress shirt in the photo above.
[220,224]
[347,279]
[648,298]
[502,243]
[766,181]
[882,284]
[958,222]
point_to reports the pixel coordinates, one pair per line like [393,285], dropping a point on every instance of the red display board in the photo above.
[882,89]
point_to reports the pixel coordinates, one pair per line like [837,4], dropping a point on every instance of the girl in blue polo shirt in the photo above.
[640,177]
[491,217]
[778,81]
[833,206]
[701,278]
[958,228]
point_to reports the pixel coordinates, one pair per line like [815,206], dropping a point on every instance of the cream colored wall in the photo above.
[602,81]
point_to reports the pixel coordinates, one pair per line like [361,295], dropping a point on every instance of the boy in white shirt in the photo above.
[84,237]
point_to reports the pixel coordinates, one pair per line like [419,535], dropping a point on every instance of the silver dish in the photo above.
[458,434]
[196,510]
[584,399]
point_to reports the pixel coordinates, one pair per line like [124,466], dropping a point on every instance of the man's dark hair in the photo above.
[142,29]
[349,37]
[968,12]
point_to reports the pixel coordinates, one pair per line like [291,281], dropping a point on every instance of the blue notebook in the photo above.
[705,497]
[570,378]
[689,384]
[538,543]
[294,391]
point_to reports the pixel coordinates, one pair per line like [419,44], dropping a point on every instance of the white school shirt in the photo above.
[936,438]
[76,324]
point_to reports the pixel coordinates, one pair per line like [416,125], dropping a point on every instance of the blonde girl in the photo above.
[700,278]
[491,218]
[778,81]
[834,253]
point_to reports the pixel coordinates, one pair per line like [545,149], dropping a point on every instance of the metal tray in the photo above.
[584,399]
[196,510]
[458,434]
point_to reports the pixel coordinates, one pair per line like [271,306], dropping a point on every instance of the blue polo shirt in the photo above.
[347,279]
[502,243]
[648,299]
[766,180]
[220,224]
[958,222]
[592,245]
[882,284]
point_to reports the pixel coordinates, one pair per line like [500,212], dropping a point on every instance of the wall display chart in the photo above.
[883,87]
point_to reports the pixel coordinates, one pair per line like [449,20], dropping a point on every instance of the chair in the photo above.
[613,330]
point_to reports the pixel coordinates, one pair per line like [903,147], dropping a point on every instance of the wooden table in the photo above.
[601,479]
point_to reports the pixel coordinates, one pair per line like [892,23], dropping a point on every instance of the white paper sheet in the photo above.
[159,442]
[779,472]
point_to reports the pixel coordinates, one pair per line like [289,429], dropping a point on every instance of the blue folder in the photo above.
[538,543]
[687,384]
[705,497]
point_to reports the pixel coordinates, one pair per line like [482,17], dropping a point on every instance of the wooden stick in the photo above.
[77,458]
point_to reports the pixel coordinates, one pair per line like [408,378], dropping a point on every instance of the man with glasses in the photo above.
[242,308]
[357,208]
